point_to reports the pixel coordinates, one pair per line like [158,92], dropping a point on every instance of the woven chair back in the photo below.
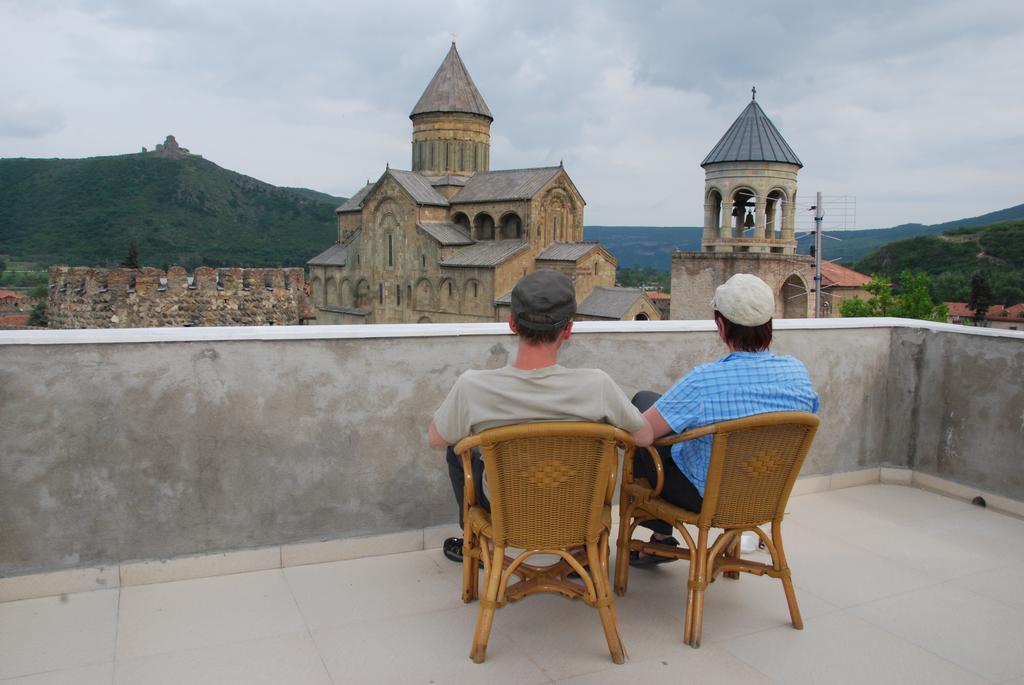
[548,482]
[754,464]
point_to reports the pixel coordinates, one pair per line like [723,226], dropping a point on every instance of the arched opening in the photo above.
[511,227]
[345,293]
[642,316]
[423,295]
[316,288]
[713,211]
[774,203]
[744,201]
[460,219]
[364,297]
[483,227]
[449,296]
[331,292]
[424,319]
[794,298]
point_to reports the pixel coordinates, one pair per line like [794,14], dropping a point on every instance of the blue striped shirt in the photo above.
[737,385]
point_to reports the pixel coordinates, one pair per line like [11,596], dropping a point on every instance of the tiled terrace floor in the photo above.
[896,585]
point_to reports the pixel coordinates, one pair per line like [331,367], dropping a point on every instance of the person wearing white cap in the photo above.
[749,380]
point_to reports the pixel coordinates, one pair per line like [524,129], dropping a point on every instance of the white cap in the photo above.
[745,300]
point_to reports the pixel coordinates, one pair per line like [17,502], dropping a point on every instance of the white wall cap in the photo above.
[90,336]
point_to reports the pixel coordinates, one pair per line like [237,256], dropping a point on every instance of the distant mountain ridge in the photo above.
[183,210]
[651,246]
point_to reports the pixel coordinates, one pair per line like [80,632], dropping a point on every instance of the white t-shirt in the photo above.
[486,399]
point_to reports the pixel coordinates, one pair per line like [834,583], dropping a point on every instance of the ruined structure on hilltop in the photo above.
[82,297]
[447,240]
[170,149]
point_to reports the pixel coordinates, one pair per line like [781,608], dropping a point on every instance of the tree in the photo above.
[981,296]
[131,261]
[38,315]
[914,301]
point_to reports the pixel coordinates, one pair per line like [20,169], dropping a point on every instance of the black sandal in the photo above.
[652,559]
[452,548]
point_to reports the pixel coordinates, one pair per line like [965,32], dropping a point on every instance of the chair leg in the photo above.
[605,605]
[622,553]
[695,610]
[733,552]
[787,580]
[470,573]
[691,582]
[488,604]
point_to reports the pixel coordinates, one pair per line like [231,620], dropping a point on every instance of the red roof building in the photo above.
[997,316]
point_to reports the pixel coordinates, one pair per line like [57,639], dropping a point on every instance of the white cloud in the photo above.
[913,107]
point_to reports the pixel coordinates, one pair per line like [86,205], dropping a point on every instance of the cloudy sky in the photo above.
[914,108]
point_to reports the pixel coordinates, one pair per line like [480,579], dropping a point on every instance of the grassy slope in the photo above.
[190,211]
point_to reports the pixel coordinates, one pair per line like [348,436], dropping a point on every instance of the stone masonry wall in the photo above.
[83,297]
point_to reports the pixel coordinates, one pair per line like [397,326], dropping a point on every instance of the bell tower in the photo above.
[750,188]
[451,124]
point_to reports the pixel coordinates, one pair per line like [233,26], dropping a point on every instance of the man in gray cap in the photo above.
[533,388]
[749,380]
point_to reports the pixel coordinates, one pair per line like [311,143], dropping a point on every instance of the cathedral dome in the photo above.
[451,91]
[752,138]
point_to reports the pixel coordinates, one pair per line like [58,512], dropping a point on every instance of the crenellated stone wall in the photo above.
[83,297]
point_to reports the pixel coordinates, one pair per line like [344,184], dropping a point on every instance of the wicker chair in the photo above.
[754,463]
[550,487]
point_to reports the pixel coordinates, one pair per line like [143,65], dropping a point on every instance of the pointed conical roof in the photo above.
[752,138]
[452,90]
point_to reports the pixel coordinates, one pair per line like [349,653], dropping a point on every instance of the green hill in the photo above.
[186,211]
[649,246]
[949,260]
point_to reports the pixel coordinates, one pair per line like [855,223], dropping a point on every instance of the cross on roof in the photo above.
[753,93]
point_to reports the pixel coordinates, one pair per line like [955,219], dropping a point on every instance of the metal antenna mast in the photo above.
[819,215]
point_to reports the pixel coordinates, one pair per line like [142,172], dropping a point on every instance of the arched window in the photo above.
[398,295]
[391,250]
[380,293]
[474,289]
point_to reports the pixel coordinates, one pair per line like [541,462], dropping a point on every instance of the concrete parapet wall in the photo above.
[83,297]
[123,445]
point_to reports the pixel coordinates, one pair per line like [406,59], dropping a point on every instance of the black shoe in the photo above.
[652,559]
[452,548]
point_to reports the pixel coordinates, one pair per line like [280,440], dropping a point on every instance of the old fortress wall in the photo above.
[83,297]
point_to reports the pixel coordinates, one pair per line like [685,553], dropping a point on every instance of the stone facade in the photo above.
[82,297]
[695,275]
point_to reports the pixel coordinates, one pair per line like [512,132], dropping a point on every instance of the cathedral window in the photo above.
[398,295]
[595,268]
[423,261]
[450,290]
[380,293]
[474,289]
[391,250]
[554,228]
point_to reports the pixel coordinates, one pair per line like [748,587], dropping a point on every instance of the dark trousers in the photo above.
[678,489]
[458,476]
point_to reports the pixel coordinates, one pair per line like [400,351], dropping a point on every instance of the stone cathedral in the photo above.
[447,241]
